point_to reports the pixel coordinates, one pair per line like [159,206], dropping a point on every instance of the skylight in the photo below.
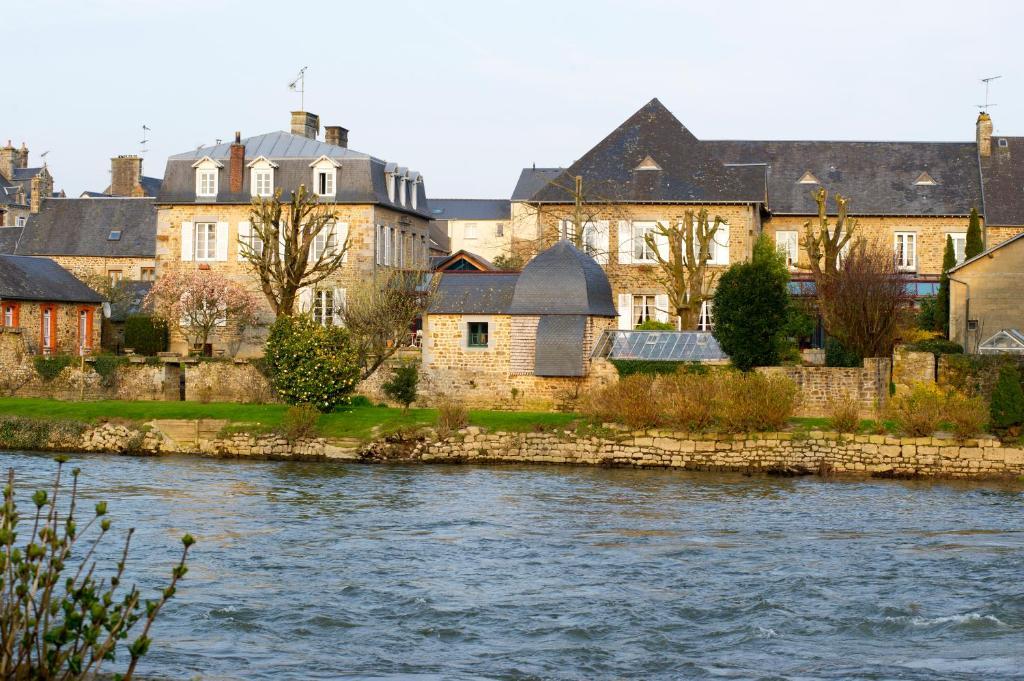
[115,235]
[808,178]
[648,164]
[925,180]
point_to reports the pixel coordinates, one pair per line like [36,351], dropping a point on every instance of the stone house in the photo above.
[479,226]
[54,311]
[519,339]
[22,189]
[985,294]
[204,212]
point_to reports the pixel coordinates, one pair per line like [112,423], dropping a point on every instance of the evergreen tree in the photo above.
[941,321]
[974,245]
[1007,405]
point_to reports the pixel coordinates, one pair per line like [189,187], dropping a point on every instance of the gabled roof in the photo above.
[988,252]
[470,209]
[25,278]
[689,173]
[81,227]
[1003,175]
[474,262]
[26,173]
[532,180]
[474,293]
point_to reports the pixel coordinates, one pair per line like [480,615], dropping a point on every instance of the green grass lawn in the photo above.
[354,422]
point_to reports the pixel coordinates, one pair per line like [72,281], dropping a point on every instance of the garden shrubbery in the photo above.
[300,421]
[49,367]
[311,364]
[844,414]
[145,334]
[926,406]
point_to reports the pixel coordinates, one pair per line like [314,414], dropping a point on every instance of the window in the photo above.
[1003,142]
[206,182]
[706,321]
[642,251]
[324,176]
[469,231]
[499,229]
[402,189]
[84,329]
[381,237]
[253,241]
[116,276]
[48,328]
[323,307]
[115,235]
[147,274]
[959,246]
[20,221]
[644,309]
[477,335]
[414,193]
[392,246]
[10,314]
[906,251]
[390,180]
[262,182]
[324,243]
[788,243]
[206,241]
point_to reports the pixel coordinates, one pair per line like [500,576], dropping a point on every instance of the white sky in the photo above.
[469,93]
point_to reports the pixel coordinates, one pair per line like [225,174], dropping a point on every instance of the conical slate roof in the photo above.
[563,280]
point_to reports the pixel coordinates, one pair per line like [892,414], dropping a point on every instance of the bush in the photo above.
[920,411]
[655,325]
[937,346]
[1007,405]
[687,401]
[145,334]
[50,367]
[86,614]
[838,356]
[300,421]
[106,366]
[310,363]
[754,402]
[360,401]
[844,414]
[401,387]
[967,415]
[629,401]
[652,367]
[451,416]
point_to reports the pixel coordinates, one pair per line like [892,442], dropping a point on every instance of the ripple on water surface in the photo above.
[314,571]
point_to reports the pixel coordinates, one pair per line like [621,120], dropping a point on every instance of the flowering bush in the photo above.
[201,301]
[311,364]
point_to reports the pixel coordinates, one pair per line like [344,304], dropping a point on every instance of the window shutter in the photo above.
[339,305]
[721,254]
[244,238]
[601,228]
[561,230]
[222,241]
[661,243]
[187,240]
[305,300]
[661,307]
[625,311]
[340,237]
[625,243]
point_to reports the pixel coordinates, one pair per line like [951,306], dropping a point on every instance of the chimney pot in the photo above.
[984,134]
[238,137]
[336,135]
[305,124]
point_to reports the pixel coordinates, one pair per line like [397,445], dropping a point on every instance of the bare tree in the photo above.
[682,249]
[824,242]
[379,314]
[292,246]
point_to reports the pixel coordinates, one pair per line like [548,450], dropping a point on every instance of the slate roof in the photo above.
[1003,173]
[878,177]
[563,280]
[25,278]
[687,172]
[361,177]
[150,187]
[471,209]
[559,347]
[9,239]
[532,180]
[439,239]
[9,193]
[480,263]
[132,304]
[82,227]
[474,293]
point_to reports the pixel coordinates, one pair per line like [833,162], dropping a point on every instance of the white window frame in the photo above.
[390,182]
[207,177]
[47,322]
[323,307]
[961,250]
[706,320]
[414,193]
[787,242]
[8,315]
[327,168]
[262,181]
[403,188]
[640,246]
[906,258]
[20,221]
[499,230]
[470,230]
[324,243]
[205,234]
[647,304]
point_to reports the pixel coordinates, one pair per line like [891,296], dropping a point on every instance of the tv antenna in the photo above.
[145,139]
[987,81]
[299,85]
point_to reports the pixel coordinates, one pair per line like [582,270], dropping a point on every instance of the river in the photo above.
[321,571]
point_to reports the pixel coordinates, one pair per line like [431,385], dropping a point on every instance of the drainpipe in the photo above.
[967,306]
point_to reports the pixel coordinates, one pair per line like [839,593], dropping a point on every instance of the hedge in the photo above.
[650,367]
[145,334]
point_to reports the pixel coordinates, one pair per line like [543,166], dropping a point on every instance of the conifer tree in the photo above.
[942,300]
[974,245]
[1007,404]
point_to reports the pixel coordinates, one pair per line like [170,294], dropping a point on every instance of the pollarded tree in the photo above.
[975,244]
[752,308]
[308,247]
[683,250]
[825,242]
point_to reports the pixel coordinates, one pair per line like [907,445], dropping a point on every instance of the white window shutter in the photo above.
[625,311]
[187,240]
[305,300]
[625,243]
[601,228]
[244,238]
[721,254]
[661,307]
[222,241]
[561,230]
[339,305]
[340,237]
[661,243]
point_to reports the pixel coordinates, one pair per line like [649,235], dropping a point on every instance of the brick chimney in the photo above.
[236,165]
[984,127]
[336,135]
[8,160]
[42,188]
[126,176]
[305,124]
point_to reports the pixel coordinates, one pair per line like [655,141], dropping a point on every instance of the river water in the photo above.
[321,571]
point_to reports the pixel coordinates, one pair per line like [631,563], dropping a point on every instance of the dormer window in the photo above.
[414,181]
[261,177]
[402,189]
[1003,142]
[325,174]
[207,172]
[808,178]
[389,179]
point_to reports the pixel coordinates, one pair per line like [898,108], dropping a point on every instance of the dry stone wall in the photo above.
[818,386]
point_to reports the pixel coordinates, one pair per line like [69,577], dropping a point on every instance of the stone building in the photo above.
[204,212]
[519,339]
[985,294]
[479,226]
[22,189]
[126,179]
[54,311]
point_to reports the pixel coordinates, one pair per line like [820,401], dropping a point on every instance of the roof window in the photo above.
[808,178]
[925,180]
[648,164]
[1003,142]
[115,235]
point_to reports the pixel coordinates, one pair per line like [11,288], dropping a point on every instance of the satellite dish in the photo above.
[106,310]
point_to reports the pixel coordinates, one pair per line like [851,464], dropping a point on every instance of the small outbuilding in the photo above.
[985,294]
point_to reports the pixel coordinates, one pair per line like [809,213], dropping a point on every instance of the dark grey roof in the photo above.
[151,185]
[135,294]
[563,280]
[93,195]
[474,293]
[24,278]
[9,239]
[1003,176]
[471,209]
[532,180]
[9,192]
[686,172]
[559,348]
[82,226]
[439,239]
[361,177]
[25,173]
[878,177]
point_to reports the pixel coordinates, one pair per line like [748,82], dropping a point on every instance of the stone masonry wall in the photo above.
[818,386]
[910,367]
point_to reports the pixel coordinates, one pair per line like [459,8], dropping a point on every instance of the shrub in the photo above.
[937,346]
[750,402]
[844,414]
[655,325]
[1007,405]
[968,415]
[629,401]
[106,366]
[50,367]
[920,411]
[86,613]
[687,400]
[310,363]
[838,356]
[360,401]
[401,387]
[145,334]
[451,416]
[628,367]
[300,421]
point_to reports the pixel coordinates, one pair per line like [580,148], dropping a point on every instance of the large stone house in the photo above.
[985,294]
[205,200]
[22,189]
[479,226]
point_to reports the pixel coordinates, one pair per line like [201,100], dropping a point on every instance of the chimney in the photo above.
[984,127]
[22,160]
[305,124]
[236,165]
[125,176]
[42,188]
[8,158]
[336,135]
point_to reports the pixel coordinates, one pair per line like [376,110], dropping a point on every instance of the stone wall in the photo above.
[910,367]
[226,382]
[818,386]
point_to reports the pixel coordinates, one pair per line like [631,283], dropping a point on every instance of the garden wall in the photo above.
[868,384]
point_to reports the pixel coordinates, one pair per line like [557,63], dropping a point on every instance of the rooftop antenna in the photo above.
[984,107]
[145,139]
[299,85]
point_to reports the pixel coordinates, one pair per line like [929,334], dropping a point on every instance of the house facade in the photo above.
[203,213]
[479,226]
[22,188]
[985,294]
